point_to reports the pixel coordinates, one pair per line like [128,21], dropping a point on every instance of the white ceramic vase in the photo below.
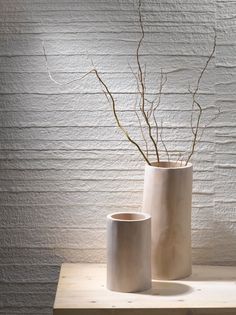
[128,252]
[168,199]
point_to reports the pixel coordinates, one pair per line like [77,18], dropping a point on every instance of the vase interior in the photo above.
[170,164]
[129,216]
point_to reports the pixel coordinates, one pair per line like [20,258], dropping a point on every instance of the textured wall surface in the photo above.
[63,163]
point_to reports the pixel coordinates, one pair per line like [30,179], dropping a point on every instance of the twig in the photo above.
[209,123]
[162,83]
[54,80]
[179,157]
[195,132]
[159,94]
[117,118]
[106,92]
[141,129]
[147,114]
[136,113]
[142,83]
[163,143]
[194,102]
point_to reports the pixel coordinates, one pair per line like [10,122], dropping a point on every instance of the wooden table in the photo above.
[82,291]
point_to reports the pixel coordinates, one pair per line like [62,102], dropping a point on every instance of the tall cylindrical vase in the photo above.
[168,199]
[128,251]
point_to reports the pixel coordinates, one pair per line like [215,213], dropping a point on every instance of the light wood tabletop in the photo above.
[209,290]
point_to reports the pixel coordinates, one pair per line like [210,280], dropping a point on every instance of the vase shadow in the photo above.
[165,288]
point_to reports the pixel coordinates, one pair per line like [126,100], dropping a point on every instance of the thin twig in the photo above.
[209,123]
[194,102]
[136,112]
[54,80]
[163,143]
[202,73]
[106,92]
[147,114]
[195,132]
[153,108]
[142,83]
[156,127]
[117,118]
[141,129]
[159,94]
[162,83]
[179,157]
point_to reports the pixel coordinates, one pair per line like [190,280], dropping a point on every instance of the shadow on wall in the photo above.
[225,243]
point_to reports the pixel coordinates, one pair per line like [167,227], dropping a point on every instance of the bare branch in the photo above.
[148,107]
[156,127]
[179,157]
[141,129]
[54,80]
[136,77]
[142,83]
[195,132]
[162,84]
[163,143]
[136,112]
[194,102]
[116,117]
[153,108]
[209,123]
[140,72]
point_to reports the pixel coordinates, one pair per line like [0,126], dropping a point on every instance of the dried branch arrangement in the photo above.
[147,110]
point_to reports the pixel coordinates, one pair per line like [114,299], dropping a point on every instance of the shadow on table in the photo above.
[167,288]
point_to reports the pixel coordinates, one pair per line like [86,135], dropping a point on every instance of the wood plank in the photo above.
[82,290]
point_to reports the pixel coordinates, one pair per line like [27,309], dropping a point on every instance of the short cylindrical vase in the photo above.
[128,251]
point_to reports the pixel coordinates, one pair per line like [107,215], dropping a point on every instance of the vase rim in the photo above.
[170,165]
[128,216]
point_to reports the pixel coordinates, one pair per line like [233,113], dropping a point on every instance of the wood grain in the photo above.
[82,290]
[128,251]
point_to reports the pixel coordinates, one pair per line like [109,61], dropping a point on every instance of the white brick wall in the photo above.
[63,163]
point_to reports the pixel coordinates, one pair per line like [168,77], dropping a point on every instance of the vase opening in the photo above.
[171,164]
[129,216]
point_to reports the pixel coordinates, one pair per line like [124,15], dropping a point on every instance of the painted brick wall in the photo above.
[63,163]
